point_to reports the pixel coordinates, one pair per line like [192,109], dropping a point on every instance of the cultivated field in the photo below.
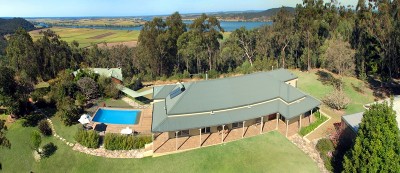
[85,36]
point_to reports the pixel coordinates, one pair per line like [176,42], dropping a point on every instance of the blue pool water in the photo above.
[116,116]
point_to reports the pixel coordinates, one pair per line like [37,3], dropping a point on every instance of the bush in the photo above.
[32,120]
[324,145]
[45,128]
[87,138]
[48,150]
[325,148]
[336,100]
[36,139]
[124,142]
[136,85]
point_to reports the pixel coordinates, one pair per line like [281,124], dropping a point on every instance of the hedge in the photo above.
[87,138]
[125,142]
[319,120]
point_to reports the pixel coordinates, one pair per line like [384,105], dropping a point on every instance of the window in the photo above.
[183,133]
[205,130]
[237,125]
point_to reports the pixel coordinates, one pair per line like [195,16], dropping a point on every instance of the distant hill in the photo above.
[8,26]
[256,16]
[250,15]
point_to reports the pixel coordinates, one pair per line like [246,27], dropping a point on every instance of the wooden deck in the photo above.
[163,144]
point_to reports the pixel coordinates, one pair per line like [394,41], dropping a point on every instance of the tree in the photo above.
[209,30]
[284,31]
[4,142]
[246,41]
[68,111]
[21,53]
[88,87]
[54,55]
[337,99]
[339,57]
[377,145]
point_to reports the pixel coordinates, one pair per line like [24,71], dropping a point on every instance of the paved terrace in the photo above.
[162,144]
[143,127]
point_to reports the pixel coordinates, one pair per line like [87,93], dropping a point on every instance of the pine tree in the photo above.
[377,145]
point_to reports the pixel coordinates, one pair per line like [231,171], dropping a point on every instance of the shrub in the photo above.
[324,145]
[124,142]
[45,128]
[325,148]
[32,120]
[48,150]
[213,74]
[36,139]
[336,100]
[136,85]
[87,138]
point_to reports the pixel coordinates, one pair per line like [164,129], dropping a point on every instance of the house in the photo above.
[114,73]
[210,112]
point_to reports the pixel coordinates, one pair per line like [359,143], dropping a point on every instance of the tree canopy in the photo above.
[377,145]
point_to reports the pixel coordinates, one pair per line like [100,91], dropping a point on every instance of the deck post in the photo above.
[287,127]
[152,139]
[311,116]
[301,116]
[223,131]
[200,137]
[319,113]
[176,140]
[277,120]
[243,129]
[262,124]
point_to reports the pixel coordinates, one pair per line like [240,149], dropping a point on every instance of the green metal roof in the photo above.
[228,100]
[132,93]
[161,92]
[107,72]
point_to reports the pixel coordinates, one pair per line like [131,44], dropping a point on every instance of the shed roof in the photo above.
[108,72]
[233,99]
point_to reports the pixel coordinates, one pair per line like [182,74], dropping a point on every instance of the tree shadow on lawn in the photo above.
[381,90]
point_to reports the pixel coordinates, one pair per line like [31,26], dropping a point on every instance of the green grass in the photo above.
[42,85]
[84,36]
[305,130]
[269,152]
[309,83]
[114,103]
[67,132]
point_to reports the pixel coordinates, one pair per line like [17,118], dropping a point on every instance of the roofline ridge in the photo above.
[180,98]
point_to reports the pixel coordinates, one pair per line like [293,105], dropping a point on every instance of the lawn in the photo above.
[309,83]
[86,36]
[269,152]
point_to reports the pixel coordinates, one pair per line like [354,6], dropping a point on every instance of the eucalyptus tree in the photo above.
[284,31]
[208,28]
[246,41]
[21,53]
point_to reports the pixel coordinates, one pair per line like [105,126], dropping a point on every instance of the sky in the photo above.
[78,8]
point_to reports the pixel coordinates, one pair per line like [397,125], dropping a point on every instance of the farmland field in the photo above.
[85,36]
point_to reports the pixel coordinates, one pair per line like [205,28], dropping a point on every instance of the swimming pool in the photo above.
[117,116]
